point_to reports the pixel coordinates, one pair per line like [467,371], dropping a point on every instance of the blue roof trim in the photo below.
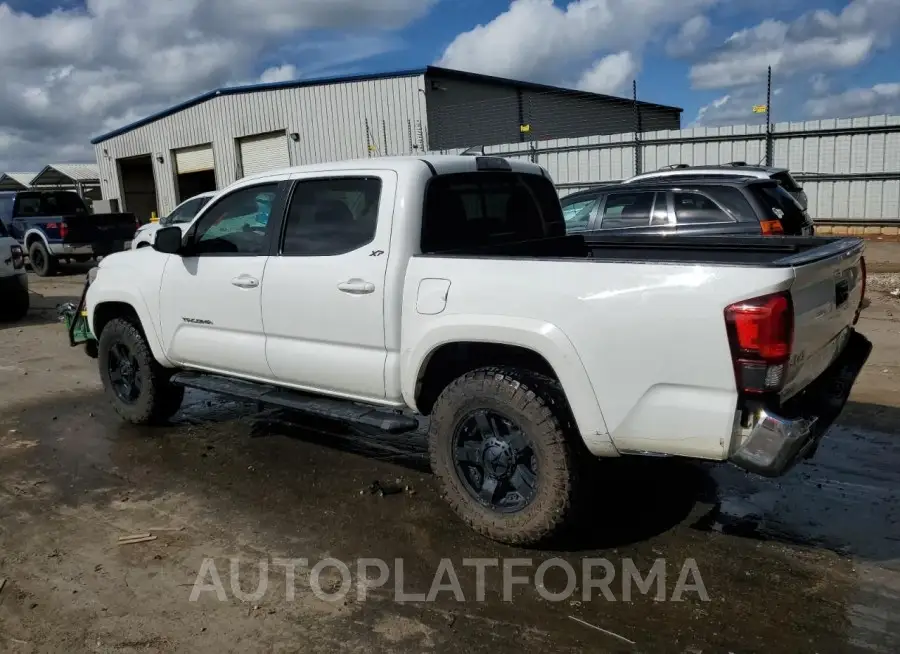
[428,70]
[252,88]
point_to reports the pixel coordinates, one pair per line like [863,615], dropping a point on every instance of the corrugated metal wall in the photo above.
[850,168]
[466,113]
[330,119]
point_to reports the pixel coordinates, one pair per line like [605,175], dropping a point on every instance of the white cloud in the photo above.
[74,73]
[735,108]
[878,99]
[818,40]
[611,75]
[282,73]
[538,40]
[819,83]
[690,36]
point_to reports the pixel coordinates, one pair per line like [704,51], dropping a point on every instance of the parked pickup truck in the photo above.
[385,290]
[54,225]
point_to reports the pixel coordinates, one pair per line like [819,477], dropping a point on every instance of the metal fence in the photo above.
[849,167]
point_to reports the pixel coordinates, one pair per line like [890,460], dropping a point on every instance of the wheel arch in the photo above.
[454,349]
[33,235]
[108,309]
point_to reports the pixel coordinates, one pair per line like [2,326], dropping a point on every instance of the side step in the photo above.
[345,410]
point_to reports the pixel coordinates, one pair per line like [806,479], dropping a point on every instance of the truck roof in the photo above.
[440,163]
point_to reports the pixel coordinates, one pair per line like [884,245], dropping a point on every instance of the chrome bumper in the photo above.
[776,443]
[60,249]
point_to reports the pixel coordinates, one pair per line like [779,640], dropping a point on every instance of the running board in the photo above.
[387,420]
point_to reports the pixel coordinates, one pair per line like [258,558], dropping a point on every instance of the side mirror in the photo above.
[168,240]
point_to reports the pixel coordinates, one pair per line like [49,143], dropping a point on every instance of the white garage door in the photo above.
[193,160]
[264,152]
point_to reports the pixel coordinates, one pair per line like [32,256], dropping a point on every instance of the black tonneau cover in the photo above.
[759,251]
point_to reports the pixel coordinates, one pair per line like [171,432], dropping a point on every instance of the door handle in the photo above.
[357,287]
[245,281]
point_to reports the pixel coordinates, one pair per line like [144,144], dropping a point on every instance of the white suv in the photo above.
[182,216]
[733,169]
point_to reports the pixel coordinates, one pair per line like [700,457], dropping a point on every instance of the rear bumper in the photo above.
[782,436]
[93,250]
[67,250]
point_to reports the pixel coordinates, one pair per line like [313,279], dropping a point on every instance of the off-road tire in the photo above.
[15,307]
[536,403]
[159,399]
[42,262]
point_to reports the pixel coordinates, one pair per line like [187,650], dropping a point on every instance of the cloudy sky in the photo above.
[72,69]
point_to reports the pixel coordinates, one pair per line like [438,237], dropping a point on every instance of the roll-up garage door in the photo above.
[264,152]
[193,160]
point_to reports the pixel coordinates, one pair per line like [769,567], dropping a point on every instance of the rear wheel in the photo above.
[43,263]
[501,446]
[138,386]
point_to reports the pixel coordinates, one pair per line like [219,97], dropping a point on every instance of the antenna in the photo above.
[474,151]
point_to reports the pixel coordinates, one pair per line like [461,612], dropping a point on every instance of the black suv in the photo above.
[701,206]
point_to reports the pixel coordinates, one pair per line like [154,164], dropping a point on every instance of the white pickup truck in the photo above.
[383,290]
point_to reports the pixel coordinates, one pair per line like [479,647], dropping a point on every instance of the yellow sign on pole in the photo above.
[524,128]
[759,108]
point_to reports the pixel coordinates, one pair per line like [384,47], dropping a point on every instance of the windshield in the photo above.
[186,212]
[48,203]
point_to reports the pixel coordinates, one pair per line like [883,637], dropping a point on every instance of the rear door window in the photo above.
[697,209]
[48,204]
[779,204]
[488,208]
[627,210]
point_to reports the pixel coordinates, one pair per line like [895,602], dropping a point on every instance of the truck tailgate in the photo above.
[100,228]
[826,295]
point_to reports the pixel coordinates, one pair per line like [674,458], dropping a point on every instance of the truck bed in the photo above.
[751,250]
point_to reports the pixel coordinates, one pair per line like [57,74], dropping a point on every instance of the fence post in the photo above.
[638,128]
[769,140]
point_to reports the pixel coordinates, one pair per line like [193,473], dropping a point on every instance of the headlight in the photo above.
[92,275]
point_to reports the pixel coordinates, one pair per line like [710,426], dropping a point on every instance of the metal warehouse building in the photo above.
[216,138]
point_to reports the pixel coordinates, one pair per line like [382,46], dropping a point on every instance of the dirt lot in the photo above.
[807,563]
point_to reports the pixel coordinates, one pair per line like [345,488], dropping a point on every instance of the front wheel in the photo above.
[138,386]
[501,444]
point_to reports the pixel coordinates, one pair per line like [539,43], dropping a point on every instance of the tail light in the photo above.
[862,296]
[63,230]
[771,227]
[18,257]
[761,331]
